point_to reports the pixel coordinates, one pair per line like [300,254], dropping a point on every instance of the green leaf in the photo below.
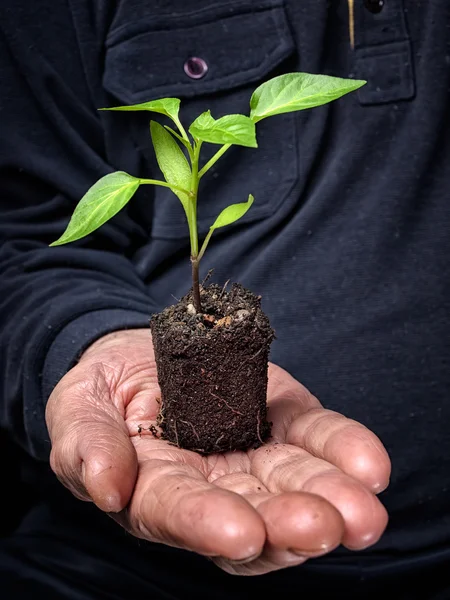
[232,213]
[171,161]
[101,202]
[229,215]
[165,106]
[297,91]
[231,129]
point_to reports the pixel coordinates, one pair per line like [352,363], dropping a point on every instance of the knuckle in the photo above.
[138,525]
[141,530]
[62,458]
[68,472]
[55,462]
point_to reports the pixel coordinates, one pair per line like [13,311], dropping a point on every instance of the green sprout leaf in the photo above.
[165,106]
[283,94]
[229,215]
[171,161]
[101,202]
[231,129]
[297,91]
[232,213]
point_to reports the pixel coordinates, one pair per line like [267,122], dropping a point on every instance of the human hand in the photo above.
[311,488]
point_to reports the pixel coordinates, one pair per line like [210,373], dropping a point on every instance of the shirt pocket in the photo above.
[242,46]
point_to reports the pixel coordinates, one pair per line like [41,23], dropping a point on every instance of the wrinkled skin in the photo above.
[313,487]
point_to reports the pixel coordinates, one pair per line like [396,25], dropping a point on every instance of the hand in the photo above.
[311,488]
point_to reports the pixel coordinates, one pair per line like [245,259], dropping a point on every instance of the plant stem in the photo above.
[196,285]
[181,139]
[193,201]
[184,136]
[193,232]
[164,184]
[212,161]
[181,129]
[205,243]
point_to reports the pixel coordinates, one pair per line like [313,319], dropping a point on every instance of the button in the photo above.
[195,67]
[374,6]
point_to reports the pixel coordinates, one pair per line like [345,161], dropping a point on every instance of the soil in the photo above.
[212,370]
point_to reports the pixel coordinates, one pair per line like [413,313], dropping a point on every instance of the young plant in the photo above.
[178,156]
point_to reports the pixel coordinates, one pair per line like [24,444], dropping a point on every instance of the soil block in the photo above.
[212,370]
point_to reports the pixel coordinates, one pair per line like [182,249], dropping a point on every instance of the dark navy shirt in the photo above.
[348,240]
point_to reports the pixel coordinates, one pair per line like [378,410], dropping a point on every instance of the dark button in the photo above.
[195,67]
[374,6]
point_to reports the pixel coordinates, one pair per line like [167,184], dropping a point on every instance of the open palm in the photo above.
[312,487]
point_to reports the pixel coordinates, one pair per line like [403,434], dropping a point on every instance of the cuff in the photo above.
[80,333]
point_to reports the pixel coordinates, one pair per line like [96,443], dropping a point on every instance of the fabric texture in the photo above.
[347,242]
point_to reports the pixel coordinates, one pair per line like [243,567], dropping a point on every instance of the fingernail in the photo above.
[323,549]
[113,503]
[378,487]
[243,561]
[367,540]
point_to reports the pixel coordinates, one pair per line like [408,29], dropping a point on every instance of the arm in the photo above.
[54,302]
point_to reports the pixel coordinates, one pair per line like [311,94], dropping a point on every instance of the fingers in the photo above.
[284,468]
[298,526]
[299,419]
[344,443]
[300,523]
[364,516]
[174,504]
[92,454]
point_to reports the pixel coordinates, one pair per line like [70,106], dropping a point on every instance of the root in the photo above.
[224,288]
[160,416]
[176,433]
[208,276]
[236,412]
[216,443]
[193,428]
[256,354]
[258,430]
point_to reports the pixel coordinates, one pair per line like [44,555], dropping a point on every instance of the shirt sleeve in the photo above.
[54,302]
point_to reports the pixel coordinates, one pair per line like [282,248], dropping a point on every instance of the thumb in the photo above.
[92,454]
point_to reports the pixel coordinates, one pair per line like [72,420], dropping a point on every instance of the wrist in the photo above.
[122,338]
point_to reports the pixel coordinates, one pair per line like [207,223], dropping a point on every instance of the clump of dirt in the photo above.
[212,370]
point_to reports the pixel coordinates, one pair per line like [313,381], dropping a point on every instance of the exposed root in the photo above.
[258,431]
[224,288]
[193,428]
[208,276]
[160,417]
[236,412]
[247,360]
[177,443]
[216,443]
[256,354]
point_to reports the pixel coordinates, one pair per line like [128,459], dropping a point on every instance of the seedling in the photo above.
[178,156]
